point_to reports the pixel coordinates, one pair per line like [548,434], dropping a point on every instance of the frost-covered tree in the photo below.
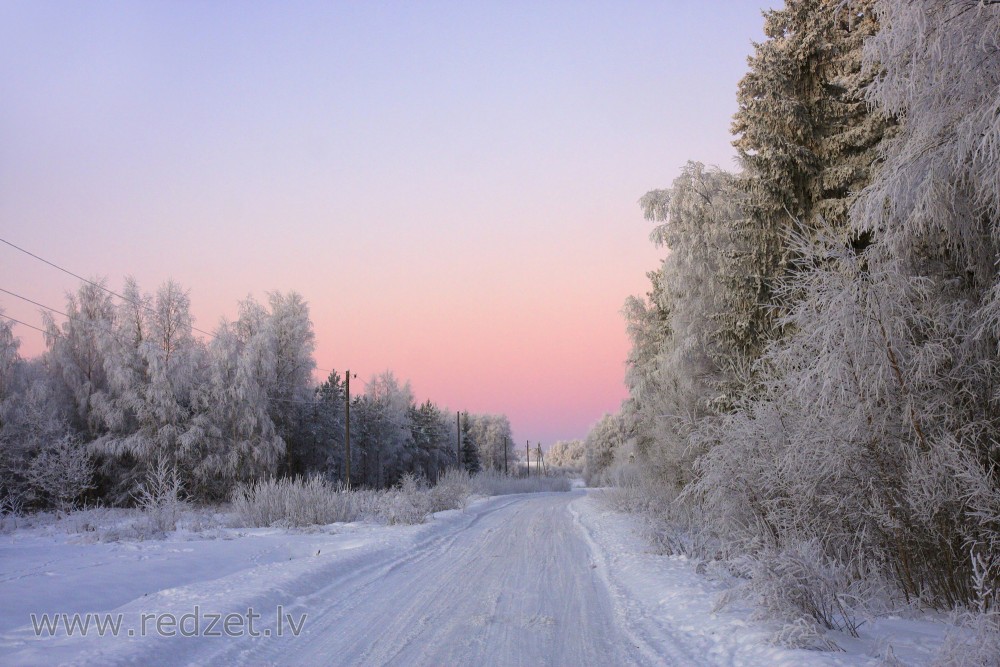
[9,358]
[470,448]
[648,325]
[233,437]
[566,454]
[607,438]
[289,386]
[385,436]
[805,138]
[11,392]
[76,353]
[433,439]
[154,365]
[688,346]
[41,464]
[492,435]
[874,429]
[938,203]
[61,473]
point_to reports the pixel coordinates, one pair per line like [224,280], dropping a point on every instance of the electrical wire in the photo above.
[105,329]
[99,286]
[24,324]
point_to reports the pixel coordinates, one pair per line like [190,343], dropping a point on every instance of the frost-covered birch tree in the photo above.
[154,365]
[76,353]
[233,437]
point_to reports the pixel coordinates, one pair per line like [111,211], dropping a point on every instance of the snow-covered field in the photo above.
[533,579]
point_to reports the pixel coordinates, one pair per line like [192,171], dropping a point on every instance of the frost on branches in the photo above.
[849,435]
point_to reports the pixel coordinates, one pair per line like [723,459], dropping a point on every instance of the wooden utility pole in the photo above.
[458,437]
[347,429]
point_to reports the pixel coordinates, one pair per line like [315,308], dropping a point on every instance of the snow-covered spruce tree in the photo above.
[321,448]
[806,141]
[429,433]
[470,448]
[384,434]
[432,433]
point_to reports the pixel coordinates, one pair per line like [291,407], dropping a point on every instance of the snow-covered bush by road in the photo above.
[296,502]
[452,490]
[493,483]
[314,501]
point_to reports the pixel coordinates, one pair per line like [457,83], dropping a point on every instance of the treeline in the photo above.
[125,386]
[814,372]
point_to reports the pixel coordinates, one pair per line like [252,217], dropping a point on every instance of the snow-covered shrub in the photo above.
[495,483]
[408,503]
[452,490]
[295,502]
[159,498]
[11,509]
[801,587]
[61,473]
[975,640]
[671,527]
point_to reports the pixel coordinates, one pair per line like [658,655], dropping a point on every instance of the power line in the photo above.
[135,303]
[102,287]
[25,324]
[41,305]
[106,329]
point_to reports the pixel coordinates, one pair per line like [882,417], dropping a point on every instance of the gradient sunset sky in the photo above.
[451,186]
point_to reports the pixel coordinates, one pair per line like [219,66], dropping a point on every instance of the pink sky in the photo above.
[451,187]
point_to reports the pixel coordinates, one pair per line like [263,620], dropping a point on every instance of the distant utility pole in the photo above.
[347,429]
[527,454]
[458,437]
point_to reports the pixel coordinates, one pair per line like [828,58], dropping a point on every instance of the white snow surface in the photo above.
[533,579]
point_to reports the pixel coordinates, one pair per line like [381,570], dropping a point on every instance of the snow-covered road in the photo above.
[512,584]
[535,579]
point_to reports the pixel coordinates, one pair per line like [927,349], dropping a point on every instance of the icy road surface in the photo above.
[535,579]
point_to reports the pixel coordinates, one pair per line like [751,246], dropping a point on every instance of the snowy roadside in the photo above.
[664,602]
[221,571]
